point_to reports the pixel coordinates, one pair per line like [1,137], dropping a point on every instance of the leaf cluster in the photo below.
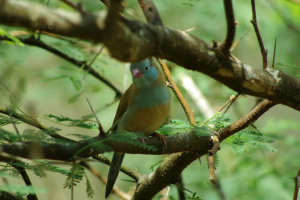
[238,141]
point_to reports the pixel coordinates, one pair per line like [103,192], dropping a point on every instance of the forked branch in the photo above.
[226,45]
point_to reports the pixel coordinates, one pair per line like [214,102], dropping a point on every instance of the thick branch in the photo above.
[169,170]
[133,41]
[64,151]
[151,13]
[167,173]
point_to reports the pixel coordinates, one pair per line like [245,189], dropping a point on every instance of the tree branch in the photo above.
[133,41]
[167,173]
[263,51]
[247,120]
[33,122]
[226,45]
[38,43]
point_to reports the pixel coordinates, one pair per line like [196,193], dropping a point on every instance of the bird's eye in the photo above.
[146,68]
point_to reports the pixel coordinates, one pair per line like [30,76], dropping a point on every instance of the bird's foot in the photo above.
[161,137]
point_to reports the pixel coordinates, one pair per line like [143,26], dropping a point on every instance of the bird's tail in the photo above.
[114,169]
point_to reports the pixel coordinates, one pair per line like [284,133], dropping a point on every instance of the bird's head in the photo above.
[144,73]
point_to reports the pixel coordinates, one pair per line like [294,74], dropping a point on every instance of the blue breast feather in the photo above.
[151,97]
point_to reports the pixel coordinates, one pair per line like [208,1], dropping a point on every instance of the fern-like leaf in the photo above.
[238,140]
[89,188]
[75,178]
[14,39]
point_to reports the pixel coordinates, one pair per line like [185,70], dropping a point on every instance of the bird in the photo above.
[143,108]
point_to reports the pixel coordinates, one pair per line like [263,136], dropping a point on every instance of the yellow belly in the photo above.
[146,120]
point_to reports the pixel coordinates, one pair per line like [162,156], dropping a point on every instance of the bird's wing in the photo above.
[123,105]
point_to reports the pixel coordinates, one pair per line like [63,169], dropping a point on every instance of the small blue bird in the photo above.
[143,108]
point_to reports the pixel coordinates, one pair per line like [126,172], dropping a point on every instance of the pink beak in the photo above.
[136,73]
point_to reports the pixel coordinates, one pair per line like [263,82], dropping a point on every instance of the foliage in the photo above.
[14,39]
[73,122]
[65,88]
[238,140]
[89,189]
[75,176]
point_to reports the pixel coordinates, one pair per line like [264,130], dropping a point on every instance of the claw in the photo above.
[161,137]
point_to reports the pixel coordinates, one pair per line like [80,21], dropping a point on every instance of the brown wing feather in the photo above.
[123,105]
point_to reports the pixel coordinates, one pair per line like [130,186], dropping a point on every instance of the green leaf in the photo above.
[55,78]
[238,148]
[5,175]
[76,82]
[261,145]
[202,131]
[6,135]
[14,39]
[287,65]
[77,176]
[238,140]
[89,188]
[174,127]
[22,189]
[75,98]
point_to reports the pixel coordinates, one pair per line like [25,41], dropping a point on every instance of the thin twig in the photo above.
[273,62]
[78,43]
[34,42]
[102,132]
[115,189]
[6,156]
[129,172]
[297,185]
[234,45]
[27,182]
[93,60]
[226,45]
[244,122]
[22,170]
[264,52]
[152,15]
[72,180]
[211,158]
[175,89]
[231,102]
[180,188]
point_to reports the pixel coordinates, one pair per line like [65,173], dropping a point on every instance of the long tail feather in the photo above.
[114,169]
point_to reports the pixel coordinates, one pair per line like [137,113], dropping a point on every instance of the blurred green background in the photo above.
[255,174]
